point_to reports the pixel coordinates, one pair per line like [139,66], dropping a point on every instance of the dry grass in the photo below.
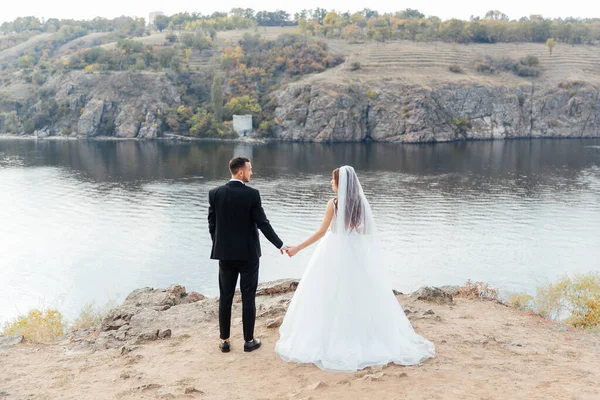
[154,39]
[575,300]
[91,315]
[429,63]
[478,290]
[520,301]
[38,326]
[13,53]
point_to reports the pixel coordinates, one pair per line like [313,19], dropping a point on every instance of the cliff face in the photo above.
[411,114]
[126,105]
[130,105]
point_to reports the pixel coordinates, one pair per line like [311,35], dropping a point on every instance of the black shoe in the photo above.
[224,346]
[251,346]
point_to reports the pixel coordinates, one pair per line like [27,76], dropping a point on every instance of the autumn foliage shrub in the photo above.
[39,326]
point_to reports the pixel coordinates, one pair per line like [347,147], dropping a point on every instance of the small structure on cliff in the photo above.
[242,124]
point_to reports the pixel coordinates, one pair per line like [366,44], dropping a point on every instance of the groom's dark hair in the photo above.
[237,163]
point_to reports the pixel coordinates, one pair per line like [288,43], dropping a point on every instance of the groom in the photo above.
[235,214]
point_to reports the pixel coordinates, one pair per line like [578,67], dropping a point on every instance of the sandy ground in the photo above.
[484,351]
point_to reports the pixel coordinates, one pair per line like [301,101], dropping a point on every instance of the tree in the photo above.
[351,32]
[497,15]
[161,22]
[550,43]
[358,19]
[11,122]
[241,106]
[409,13]
[165,56]
[331,18]
[217,98]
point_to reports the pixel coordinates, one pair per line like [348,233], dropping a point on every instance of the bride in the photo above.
[344,315]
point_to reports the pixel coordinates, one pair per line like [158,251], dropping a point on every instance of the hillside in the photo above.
[428,63]
[396,90]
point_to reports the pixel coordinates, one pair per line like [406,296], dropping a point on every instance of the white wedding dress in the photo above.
[344,315]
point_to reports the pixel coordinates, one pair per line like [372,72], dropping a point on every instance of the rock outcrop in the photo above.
[432,294]
[119,104]
[7,342]
[149,314]
[411,113]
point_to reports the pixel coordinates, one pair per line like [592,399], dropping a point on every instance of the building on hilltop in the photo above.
[242,124]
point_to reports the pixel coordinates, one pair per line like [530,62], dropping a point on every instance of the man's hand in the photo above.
[284,249]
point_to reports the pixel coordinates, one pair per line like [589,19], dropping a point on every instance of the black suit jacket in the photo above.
[235,214]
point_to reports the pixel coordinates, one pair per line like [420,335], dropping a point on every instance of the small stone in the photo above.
[451,290]
[176,290]
[148,387]
[9,341]
[317,386]
[116,325]
[125,375]
[407,312]
[3,395]
[429,312]
[275,323]
[373,377]
[146,336]
[277,287]
[164,334]
[128,349]
[194,297]
[403,375]
[396,293]
[192,390]
[164,393]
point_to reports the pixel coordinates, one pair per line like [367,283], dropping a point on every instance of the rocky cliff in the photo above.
[412,113]
[122,104]
[129,105]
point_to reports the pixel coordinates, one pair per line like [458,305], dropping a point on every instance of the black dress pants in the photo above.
[228,275]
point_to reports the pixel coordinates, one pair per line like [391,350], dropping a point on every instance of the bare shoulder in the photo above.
[331,204]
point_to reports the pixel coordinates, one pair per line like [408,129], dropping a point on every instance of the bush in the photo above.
[478,290]
[371,94]
[461,124]
[29,127]
[355,65]
[266,128]
[37,326]
[530,61]
[526,71]
[520,301]
[484,67]
[576,299]
[457,69]
[171,38]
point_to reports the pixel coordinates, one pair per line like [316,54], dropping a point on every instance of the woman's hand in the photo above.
[292,251]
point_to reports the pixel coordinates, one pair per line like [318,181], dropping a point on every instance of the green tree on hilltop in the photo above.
[217,98]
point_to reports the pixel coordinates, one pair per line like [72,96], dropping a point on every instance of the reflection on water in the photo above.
[87,220]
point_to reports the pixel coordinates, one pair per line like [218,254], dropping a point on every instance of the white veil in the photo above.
[353,214]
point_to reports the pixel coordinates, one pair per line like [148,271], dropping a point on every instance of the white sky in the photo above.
[444,9]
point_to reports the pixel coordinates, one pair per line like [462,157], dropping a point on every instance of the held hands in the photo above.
[292,251]
[284,250]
